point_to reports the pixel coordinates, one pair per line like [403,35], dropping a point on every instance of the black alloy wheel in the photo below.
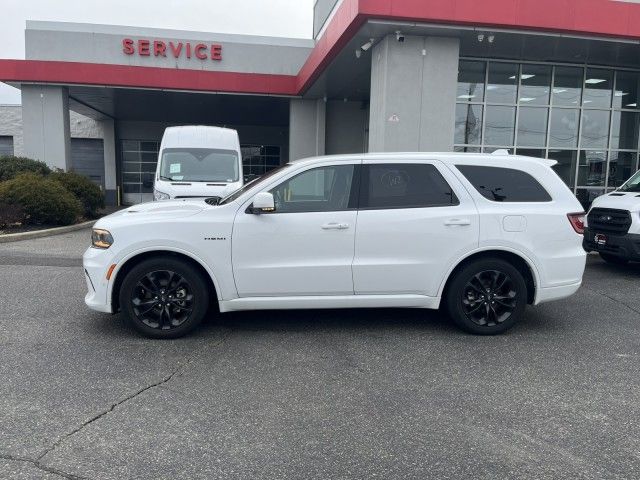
[486,297]
[164,297]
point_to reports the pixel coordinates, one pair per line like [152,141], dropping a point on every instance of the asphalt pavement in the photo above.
[341,394]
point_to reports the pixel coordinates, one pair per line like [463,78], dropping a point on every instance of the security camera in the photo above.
[399,36]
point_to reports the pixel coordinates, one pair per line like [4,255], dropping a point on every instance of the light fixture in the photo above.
[466,97]
[527,99]
[481,37]
[524,76]
[367,45]
[559,90]
[631,105]
[594,81]
[358,53]
[620,94]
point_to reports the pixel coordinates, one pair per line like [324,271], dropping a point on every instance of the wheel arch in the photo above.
[524,265]
[135,258]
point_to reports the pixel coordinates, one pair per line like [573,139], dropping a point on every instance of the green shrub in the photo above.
[89,194]
[11,166]
[43,200]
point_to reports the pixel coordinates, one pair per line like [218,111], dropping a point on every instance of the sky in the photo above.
[284,18]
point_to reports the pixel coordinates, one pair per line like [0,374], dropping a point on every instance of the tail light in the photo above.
[577,221]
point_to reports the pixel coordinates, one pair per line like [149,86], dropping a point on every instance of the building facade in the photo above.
[556,79]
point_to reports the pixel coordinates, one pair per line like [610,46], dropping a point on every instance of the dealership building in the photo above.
[557,79]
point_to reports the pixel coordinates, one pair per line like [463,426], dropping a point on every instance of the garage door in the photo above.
[6,146]
[87,158]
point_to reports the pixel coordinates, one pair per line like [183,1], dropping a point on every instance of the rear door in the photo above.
[414,220]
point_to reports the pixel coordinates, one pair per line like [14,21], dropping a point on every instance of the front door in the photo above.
[306,246]
[415,220]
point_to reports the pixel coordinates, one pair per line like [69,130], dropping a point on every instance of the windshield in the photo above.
[251,184]
[199,165]
[632,185]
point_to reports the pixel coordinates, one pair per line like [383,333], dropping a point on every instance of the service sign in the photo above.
[175,49]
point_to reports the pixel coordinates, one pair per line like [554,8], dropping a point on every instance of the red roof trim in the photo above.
[608,18]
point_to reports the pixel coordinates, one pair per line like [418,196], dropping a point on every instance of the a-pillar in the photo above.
[413,94]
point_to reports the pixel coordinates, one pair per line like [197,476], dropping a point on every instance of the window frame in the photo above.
[352,203]
[504,202]
[363,196]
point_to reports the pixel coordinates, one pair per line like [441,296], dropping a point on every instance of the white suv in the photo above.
[479,235]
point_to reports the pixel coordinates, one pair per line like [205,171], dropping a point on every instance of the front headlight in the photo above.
[158,195]
[101,238]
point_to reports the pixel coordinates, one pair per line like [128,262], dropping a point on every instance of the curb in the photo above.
[14,237]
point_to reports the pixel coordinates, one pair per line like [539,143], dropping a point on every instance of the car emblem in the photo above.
[606,218]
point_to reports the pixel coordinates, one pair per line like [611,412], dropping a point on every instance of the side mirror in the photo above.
[263,203]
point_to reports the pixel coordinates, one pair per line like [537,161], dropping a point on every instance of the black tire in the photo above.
[613,260]
[481,312]
[164,297]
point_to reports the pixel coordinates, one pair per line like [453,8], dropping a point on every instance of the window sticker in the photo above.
[174,168]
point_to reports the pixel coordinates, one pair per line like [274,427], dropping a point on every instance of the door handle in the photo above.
[457,221]
[335,226]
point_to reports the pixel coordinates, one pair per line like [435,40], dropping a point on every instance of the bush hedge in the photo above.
[84,189]
[43,199]
[11,166]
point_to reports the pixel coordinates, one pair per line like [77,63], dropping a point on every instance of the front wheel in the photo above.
[612,259]
[164,297]
[486,297]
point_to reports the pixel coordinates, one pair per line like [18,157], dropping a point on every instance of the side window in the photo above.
[321,189]
[504,184]
[404,185]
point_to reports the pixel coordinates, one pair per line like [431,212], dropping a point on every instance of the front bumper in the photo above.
[96,263]
[624,246]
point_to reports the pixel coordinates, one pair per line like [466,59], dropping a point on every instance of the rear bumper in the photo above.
[556,293]
[624,246]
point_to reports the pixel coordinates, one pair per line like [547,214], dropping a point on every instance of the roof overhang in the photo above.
[613,20]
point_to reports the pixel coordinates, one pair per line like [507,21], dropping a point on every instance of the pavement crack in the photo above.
[613,299]
[167,378]
[36,463]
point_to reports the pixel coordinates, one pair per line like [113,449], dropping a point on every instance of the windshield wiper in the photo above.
[162,177]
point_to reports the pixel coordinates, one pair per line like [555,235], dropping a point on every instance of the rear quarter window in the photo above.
[504,184]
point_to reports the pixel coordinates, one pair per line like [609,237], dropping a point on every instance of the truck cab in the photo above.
[613,224]
[198,161]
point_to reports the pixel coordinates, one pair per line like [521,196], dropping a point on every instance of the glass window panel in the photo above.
[535,82]
[149,146]
[131,167]
[626,94]
[621,166]
[148,167]
[532,127]
[567,86]
[468,124]
[503,83]
[592,168]
[151,157]
[531,152]
[624,131]
[131,187]
[471,76]
[499,125]
[587,196]
[595,129]
[130,177]
[131,145]
[564,127]
[504,184]
[597,88]
[566,166]
[467,149]
[131,156]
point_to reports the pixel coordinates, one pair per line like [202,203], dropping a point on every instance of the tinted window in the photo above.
[404,185]
[504,184]
[323,189]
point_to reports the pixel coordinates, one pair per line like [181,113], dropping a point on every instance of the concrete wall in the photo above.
[413,93]
[346,124]
[306,128]
[103,44]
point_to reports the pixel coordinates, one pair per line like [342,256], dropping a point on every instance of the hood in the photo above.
[620,200]
[163,210]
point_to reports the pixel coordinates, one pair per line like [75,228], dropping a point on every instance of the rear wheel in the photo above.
[164,297]
[612,259]
[486,297]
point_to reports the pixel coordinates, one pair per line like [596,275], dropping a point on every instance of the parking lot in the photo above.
[313,394]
